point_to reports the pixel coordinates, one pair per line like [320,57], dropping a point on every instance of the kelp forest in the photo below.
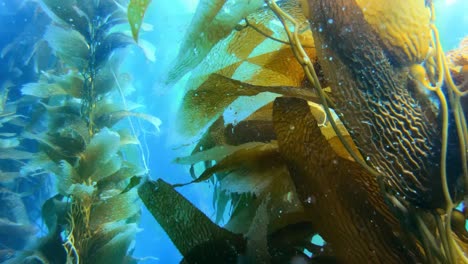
[338,119]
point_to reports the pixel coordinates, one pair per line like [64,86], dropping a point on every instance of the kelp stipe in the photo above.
[83,144]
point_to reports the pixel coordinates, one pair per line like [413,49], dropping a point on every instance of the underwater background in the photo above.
[24,23]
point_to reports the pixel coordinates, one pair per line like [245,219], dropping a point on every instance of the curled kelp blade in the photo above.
[363,229]
[195,236]
[393,126]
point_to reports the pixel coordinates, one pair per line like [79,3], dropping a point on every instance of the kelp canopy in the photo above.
[363,141]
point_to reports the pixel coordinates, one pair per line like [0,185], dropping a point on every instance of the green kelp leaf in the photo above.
[107,169]
[111,119]
[67,13]
[9,143]
[108,76]
[66,177]
[209,100]
[196,237]
[213,21]
[103,146]
[117,244]
[42,90]
[8,177]
[14,154]
[119,179]
[69,45]
[118,207]
[55,152]
[127,137]
[54,212]
[135,12]
[109,44]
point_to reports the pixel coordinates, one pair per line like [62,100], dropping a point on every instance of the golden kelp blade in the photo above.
[135,13]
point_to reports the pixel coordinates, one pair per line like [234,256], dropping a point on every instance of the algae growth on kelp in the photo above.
[233,131]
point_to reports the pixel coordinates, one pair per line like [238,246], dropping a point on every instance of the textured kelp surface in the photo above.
[340,120]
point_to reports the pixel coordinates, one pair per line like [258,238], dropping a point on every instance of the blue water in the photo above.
[169,20]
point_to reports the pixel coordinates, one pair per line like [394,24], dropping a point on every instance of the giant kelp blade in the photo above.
[197,238]
[64,13]
[135,12]
[119,207]
[103,146]
[208,101]
[118,243]
[213,22]
[69,44]
[356,198]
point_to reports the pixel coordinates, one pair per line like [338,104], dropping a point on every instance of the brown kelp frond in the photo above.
[209,100]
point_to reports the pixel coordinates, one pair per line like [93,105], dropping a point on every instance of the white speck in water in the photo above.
[320,29]
[292,127]
[330,21]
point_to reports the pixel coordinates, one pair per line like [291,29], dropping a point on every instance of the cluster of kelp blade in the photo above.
[85,136]
[348,143]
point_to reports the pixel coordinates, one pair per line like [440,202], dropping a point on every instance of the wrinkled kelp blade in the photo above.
[135,12]
[195,236]
[329,180]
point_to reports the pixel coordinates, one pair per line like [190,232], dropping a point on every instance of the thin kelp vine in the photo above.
[86,137]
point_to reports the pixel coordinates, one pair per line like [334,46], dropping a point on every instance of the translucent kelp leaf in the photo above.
[67,176]
[111,119]
[50,85]
[8,177]
[109,44]
[208,101]
[42,90]
[212,22]
[255,58]
[136,12]
[14,154]
[127,137]
[118,207]
[8,143]
[117,179]
[116,245]
[107,169]
[216,153]
[8,117]
[67,13]
[69,45]
[196,237]
[103,146]
[248,169]
[109,78]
